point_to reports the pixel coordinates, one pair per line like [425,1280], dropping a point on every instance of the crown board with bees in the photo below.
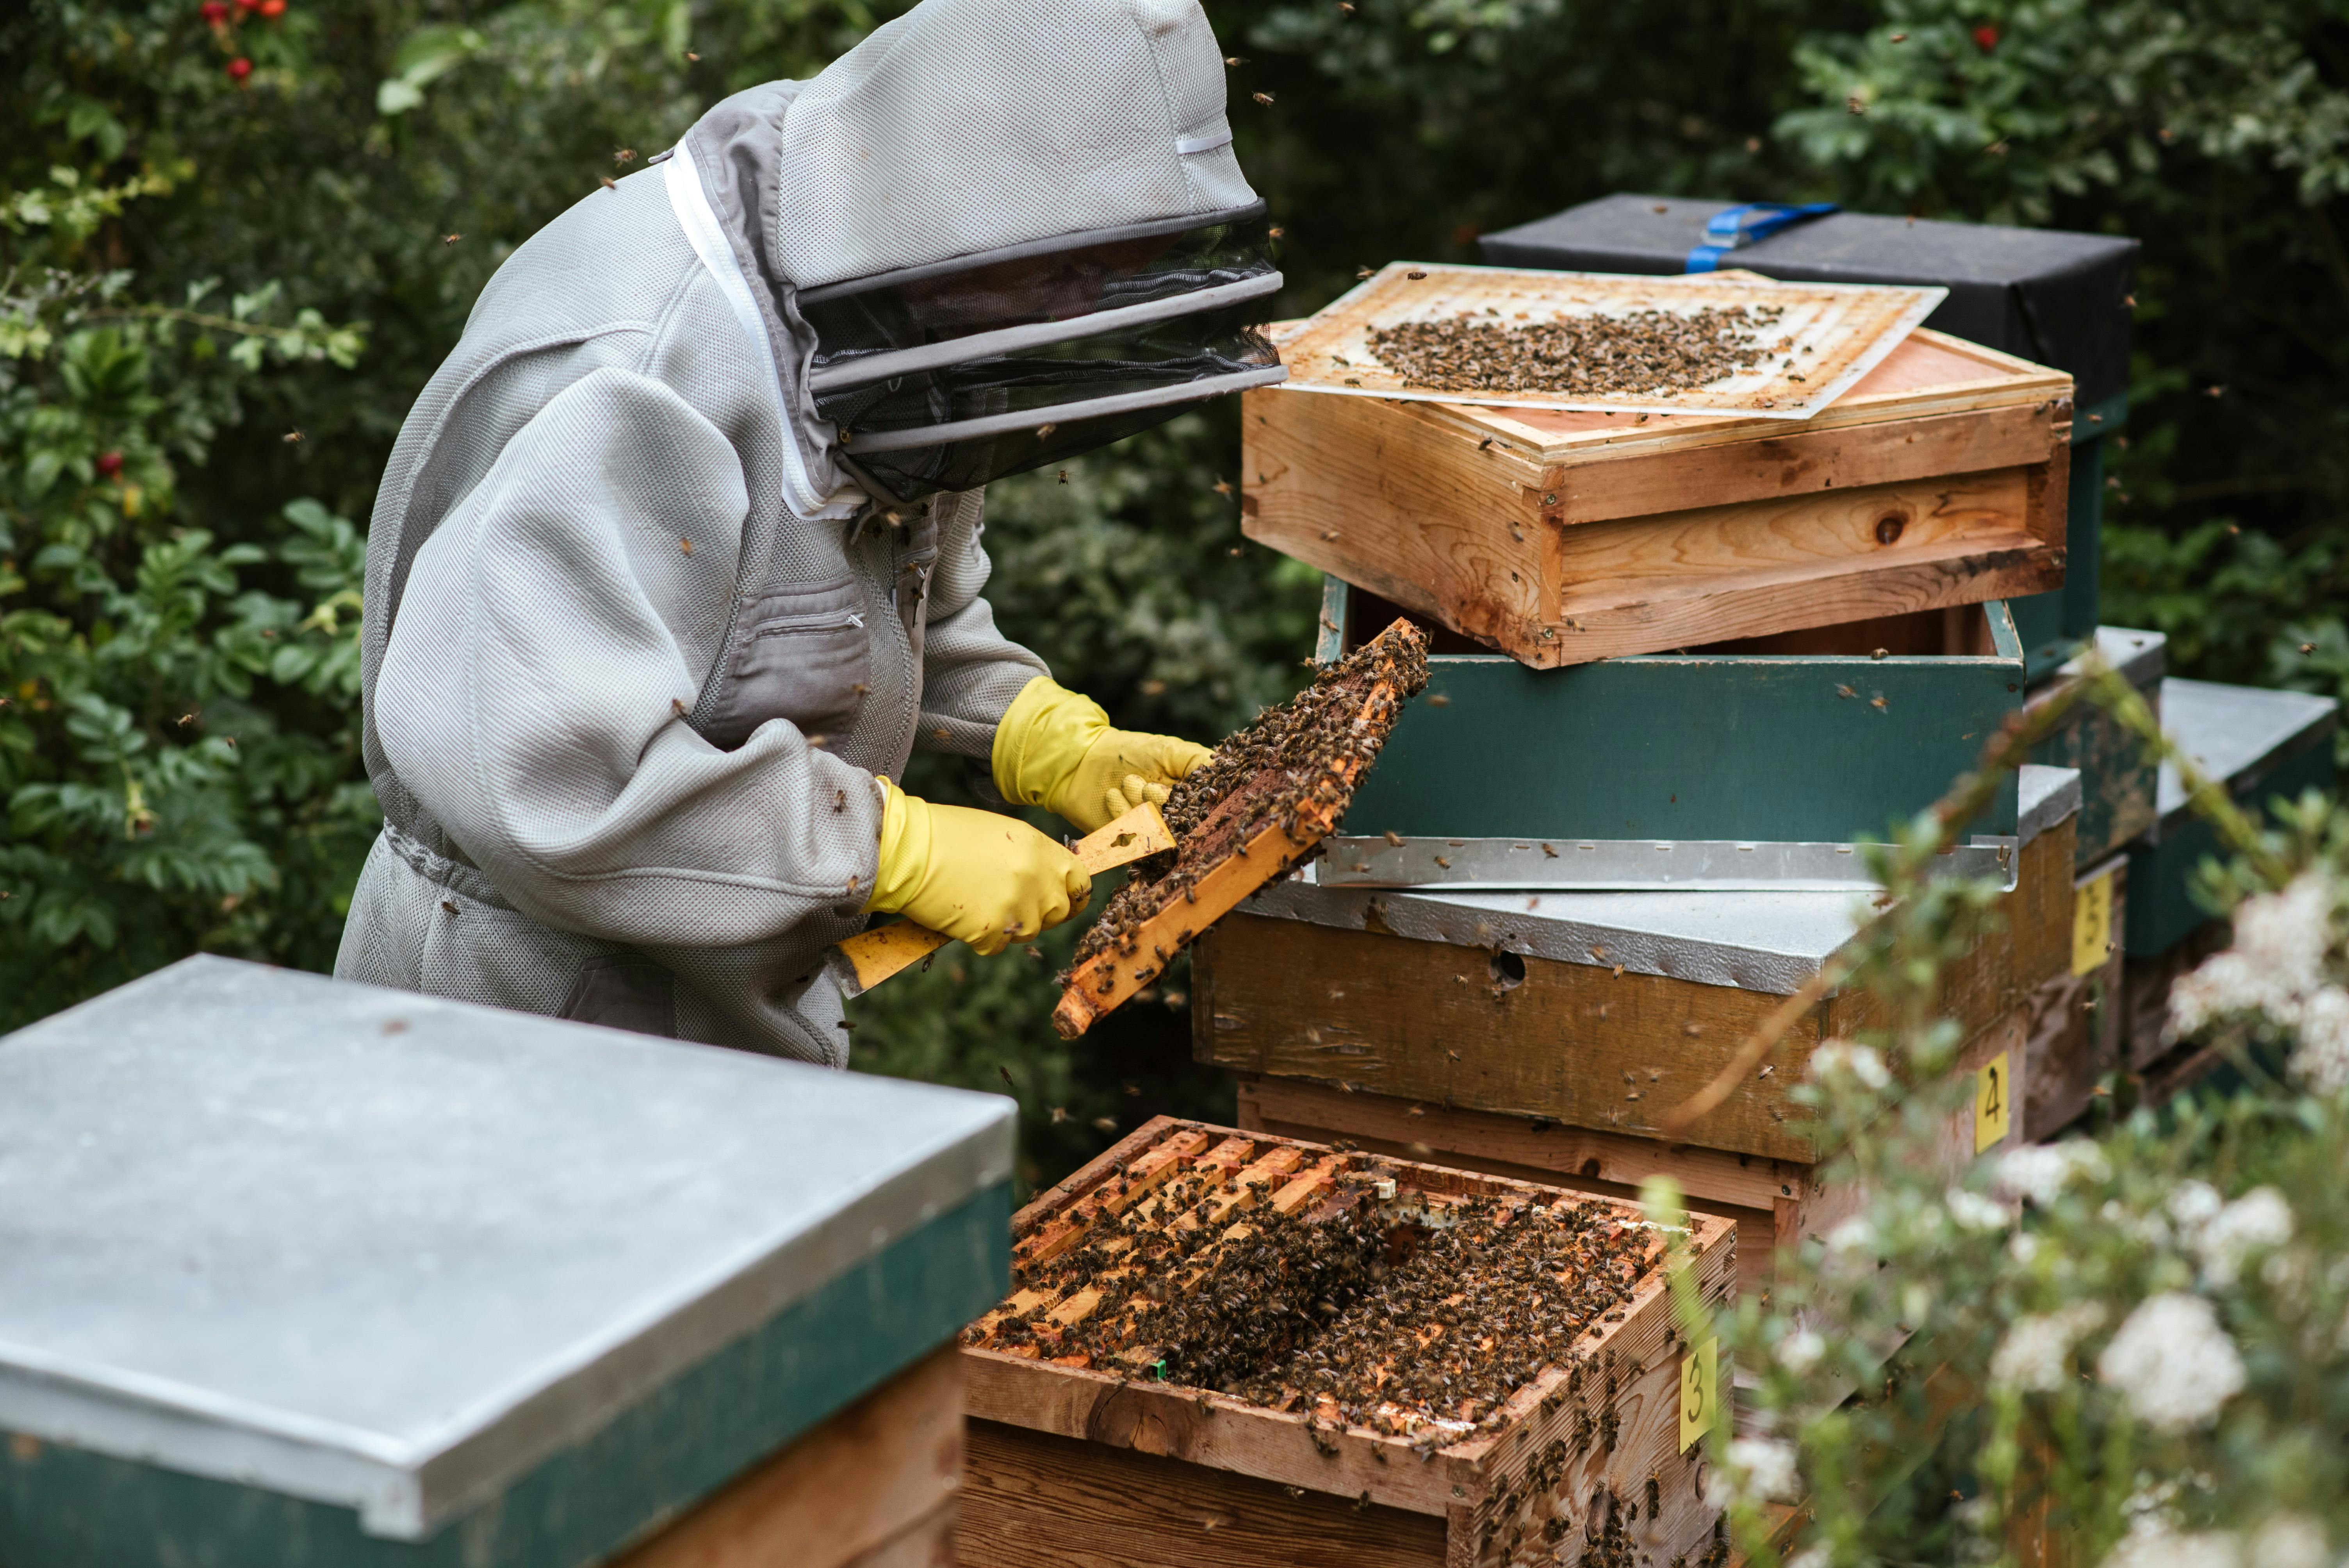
[1254,1347]
[1562,537]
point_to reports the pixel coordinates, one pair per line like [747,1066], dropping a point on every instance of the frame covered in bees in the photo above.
[1236,1347]
[1260,805]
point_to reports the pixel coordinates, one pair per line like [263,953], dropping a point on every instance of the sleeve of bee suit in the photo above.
[970,671]
[535,691]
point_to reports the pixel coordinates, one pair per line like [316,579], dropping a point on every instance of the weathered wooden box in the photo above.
[2076,1017]
[1807,737]
[335,1276]
[2063,299]
[1538,1035]
[1071,1464]
[2118,771]
[1561,538]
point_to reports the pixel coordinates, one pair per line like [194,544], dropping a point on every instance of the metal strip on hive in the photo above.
[1628,865]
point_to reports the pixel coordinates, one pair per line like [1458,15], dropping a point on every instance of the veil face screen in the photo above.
[917,471]
[1060,285]
[1069,286]
[1155,354]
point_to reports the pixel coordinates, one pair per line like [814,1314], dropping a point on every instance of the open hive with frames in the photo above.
[1312,1349]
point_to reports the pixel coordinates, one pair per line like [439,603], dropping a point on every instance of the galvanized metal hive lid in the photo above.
[2236,733]
[379,1250]
[1754,940]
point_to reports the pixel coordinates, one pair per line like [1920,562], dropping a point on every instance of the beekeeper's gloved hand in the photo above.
[1056,749]
[985,878]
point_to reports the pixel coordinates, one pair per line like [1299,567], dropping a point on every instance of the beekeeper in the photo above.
[679,556]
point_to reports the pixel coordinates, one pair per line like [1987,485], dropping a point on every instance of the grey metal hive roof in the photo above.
[1769,942]
[2236,733]
[381,1250]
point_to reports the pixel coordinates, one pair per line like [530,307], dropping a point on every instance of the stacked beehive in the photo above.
[1680,665]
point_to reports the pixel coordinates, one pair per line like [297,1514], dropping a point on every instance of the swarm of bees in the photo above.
[1647,352]
[1269,773]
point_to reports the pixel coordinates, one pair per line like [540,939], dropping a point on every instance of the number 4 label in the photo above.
[1993,1102]
[1699,1386]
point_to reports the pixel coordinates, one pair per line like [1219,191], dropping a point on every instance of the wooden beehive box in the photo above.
[1538,1035]
[1075,1464]
[1939,479]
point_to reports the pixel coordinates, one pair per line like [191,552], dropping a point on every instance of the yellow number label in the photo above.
[1699,1386]
[2092,926]
[1993,1102]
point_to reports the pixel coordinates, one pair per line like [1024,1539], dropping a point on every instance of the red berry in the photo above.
[239,68]
[110,464]
[1987,36]
[273,9]
[214,11]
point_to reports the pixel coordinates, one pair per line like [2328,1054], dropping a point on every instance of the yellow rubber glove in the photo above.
[1056,749]
[987,879]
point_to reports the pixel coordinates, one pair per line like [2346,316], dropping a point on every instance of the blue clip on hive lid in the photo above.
[303,1271]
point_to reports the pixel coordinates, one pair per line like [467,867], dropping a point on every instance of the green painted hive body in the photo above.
[328,1275]
[2267,745]
[2118,773]
[1804,747]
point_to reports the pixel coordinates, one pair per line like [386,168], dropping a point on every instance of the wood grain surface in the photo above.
[1563,538]
[1448,1027]
[1431,1022]
[874,1487]
[1035,1500]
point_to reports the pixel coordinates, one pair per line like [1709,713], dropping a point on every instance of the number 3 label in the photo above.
[1700,1385]
[1993,1102]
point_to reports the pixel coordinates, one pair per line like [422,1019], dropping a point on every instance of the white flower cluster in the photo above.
[2160,1547]
[2038,1170]
[1768,1467]
[2290,1540]
[1972,1212]
[2276,970]
[1800,1351]
[2173,1363]
[2222,1239]
[2284,1541]
[1861,1062]
[2036,1354]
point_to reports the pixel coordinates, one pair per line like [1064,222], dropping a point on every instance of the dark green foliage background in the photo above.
[195,269]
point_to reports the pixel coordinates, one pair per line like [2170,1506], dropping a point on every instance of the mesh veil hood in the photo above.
[971,126]
[962,130]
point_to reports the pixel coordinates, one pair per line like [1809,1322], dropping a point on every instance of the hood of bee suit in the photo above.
[994,233]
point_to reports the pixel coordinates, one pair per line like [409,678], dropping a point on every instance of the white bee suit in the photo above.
[635,645]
